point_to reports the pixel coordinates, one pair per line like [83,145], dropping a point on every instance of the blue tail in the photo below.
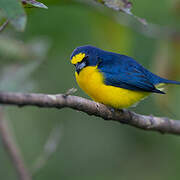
[169,81]
[157,79]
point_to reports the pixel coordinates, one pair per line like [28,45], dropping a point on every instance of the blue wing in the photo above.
[123,71]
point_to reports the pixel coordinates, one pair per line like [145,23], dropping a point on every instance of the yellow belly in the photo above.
[91,81]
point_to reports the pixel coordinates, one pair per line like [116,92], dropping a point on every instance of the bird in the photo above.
[113,79]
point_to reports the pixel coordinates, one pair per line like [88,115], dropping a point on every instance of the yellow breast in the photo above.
[92,82]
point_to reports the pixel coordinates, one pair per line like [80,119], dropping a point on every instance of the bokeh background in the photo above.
[85,147]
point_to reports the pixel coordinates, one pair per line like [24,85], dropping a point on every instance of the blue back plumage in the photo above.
[121,71]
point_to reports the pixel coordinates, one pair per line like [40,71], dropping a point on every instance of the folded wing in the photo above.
[124,72]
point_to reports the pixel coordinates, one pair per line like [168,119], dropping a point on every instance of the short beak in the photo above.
[80,66]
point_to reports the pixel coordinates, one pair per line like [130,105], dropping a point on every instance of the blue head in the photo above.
[85,56]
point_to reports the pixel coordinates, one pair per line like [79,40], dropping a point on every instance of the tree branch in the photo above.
[147,29]
[13,150]
[160,124]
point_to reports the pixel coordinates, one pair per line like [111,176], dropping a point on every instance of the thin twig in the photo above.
[2,27]
[12,150]
[122,6]
[49,149]
[160,124]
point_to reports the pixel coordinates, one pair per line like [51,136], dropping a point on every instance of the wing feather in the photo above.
[126,73]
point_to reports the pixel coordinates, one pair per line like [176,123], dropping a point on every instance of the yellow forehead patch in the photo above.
[78,58]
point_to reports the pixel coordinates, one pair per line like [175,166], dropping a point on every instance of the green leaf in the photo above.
[14,12]
[35,3]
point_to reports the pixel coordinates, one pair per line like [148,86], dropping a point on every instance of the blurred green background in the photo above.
[88,147]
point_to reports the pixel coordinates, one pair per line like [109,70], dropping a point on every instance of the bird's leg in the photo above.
[115,109]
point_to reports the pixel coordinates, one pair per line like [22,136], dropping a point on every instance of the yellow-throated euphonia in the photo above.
[113,79]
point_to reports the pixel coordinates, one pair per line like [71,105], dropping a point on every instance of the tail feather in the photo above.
[170,81]
[161,83]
